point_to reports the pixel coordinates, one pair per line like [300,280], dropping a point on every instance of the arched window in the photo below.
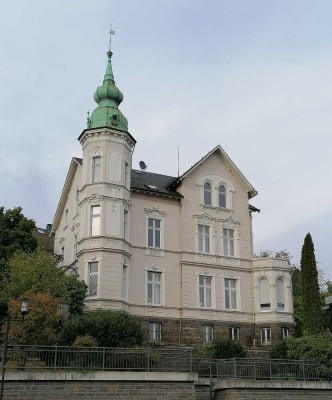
[264,295]
[207,194]
[280,294]
[222,196]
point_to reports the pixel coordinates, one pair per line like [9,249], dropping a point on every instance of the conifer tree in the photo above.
[311,304]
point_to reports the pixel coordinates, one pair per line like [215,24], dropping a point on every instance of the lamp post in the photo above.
[24,311]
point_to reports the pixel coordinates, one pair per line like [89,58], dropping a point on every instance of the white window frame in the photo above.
[284,333]
[126,225]
[202,301]
[230,224]
[93,218]
[75,248]
[234,333]
[225,195]
[228,293]
[89,274]
[155,331]
[203,236]
[124,282]
[153,284]
[126,175]
[280,306]
[228,242]
[93,169]
[66,218]
[265,336]
[207,333]
[264,309]
[154,229]
[210,192]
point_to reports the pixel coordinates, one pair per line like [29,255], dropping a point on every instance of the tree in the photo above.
[311,303]
[15,235]
[76,294]
[37,272]
[40,325]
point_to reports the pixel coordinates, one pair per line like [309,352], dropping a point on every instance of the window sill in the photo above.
[216,207]
[155,251]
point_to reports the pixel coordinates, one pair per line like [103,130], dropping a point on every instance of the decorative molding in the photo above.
[154,212]
[150,251]
[205,258]
[115,192]
[74,226]
[204,218]
[62,240]
[93,257]
[229,223]
[95,199]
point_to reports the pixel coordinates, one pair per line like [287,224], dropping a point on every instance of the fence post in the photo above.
[234,365]
[103,358]
[55,356]
[148,360]
[270,369]
[191,360]
[303,370]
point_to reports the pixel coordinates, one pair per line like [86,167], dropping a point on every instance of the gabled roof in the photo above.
[148,182]
[75,162]
[250,189]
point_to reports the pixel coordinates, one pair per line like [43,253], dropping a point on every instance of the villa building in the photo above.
[175,252]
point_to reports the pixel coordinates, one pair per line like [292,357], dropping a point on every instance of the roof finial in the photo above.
[111,32]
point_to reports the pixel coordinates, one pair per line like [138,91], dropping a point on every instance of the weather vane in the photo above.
[111,32]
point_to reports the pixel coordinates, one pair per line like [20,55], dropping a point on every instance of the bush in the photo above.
[220,348]
[279,350]
[85,341]
[108,328]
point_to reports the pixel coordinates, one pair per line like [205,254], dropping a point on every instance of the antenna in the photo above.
[111,32]
[142,165]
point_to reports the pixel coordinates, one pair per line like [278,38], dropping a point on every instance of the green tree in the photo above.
[312,317]
[16,234]
[76,294]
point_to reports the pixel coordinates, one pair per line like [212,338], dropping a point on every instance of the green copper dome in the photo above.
[108,97]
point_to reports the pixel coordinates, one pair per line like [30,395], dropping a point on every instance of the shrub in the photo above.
[85,341]
[108,328]
[227,348]
[279,350]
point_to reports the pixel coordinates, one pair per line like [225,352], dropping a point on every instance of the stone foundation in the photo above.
[190,331]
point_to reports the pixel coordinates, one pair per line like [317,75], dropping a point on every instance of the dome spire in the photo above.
[108,97]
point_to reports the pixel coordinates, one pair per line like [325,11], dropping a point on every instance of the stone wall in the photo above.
[188,331]
[274,390]
[100,386]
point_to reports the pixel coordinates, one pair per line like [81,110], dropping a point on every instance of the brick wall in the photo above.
[272,390]
[100,386]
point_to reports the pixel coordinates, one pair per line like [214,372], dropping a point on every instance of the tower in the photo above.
[104,198]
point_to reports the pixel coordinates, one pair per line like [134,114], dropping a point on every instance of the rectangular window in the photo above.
[125,282]
[154,288]
[230,294]
[207,333]
[203,239]
[75,247]
[127,175]
[234,333]
[77,202]
[285,333]
[155,331]
[154,232]
[93,272]
[96,169]
[66,218]
[228,242]
[266,336]
[95,221]
[205,291]
[125,224]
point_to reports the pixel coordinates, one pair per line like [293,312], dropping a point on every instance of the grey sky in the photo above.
[253,76]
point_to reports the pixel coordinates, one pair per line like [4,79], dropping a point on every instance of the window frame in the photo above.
[154,229]
[230,242]
[89,274]
[284,333]
[153,284]
[155,334]
[266,334]
[202,300]
[126,225]
[203,239]
[228,290]
[280,306]
[126,175]
[207,192]
[207,333]
[93,218]
[267,306]
[234,333]
[124,288]
[224,194]
[93,169]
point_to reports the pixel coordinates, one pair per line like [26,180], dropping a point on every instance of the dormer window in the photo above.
[222,196]
[207,194]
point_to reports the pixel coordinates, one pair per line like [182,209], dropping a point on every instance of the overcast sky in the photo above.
[254,76]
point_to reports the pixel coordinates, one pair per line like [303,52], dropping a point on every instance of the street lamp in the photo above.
[24,311]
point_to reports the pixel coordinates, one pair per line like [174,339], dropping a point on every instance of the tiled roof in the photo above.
[149,182]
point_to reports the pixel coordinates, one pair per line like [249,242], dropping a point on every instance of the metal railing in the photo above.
[159,360]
